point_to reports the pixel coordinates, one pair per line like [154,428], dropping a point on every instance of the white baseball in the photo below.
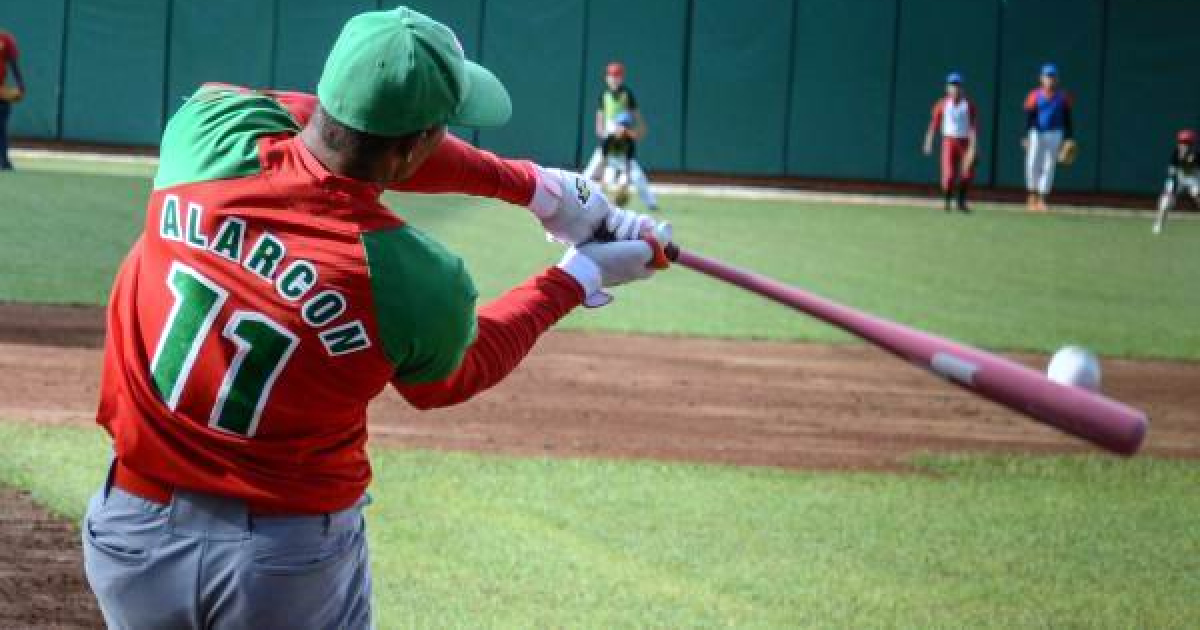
[1075,366]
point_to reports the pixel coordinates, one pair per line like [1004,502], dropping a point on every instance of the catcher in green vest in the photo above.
[618,103]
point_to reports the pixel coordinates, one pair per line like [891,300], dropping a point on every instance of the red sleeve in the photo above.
[10,46]
[1031,101]
[508,329]
[936,120]
[457,167]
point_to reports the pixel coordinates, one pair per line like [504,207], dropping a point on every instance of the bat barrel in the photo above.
[1085,414]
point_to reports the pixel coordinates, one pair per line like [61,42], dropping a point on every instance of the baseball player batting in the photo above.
[954,115]
[272,295]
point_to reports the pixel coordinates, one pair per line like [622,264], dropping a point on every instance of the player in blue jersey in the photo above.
[1049,136]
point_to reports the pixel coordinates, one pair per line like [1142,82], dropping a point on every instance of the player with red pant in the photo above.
[272,295]
[954,115]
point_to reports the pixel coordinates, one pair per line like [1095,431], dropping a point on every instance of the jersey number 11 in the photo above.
[263,348]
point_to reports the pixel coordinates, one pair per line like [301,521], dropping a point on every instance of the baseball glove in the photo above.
[10,94]
[1068,152]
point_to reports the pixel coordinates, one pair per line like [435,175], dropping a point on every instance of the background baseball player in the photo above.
[1049,136]
[954,115]
[618,99]
[272,295]
[1183,177]
[619,150]
[9,94]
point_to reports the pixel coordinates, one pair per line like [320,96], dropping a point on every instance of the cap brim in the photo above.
[487,103]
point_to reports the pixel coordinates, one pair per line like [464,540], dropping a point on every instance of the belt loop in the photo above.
[109,477]
[327,521]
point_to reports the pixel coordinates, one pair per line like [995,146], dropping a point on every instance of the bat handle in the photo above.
[603,234]
[664,252]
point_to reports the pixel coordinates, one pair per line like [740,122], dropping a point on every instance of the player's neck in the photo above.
[333,161]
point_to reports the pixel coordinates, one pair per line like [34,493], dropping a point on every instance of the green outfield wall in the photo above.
[836,89]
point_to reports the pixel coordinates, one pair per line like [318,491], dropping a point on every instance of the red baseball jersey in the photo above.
[8,52]
[268,300]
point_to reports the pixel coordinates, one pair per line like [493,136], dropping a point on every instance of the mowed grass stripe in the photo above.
[999,279]
[990,542]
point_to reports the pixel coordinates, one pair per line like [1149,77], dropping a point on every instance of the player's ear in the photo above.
[410,152]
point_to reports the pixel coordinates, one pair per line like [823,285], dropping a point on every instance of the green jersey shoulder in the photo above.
[214,135]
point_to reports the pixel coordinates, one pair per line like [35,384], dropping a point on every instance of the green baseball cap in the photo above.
[396,72]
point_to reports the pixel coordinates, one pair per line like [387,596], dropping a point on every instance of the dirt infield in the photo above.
[754,403]
[41,569]
[748,403]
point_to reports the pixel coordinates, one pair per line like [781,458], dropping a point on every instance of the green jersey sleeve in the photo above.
[215,135]
[424,303]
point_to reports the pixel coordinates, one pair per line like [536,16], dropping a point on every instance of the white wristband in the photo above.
[587,273]
[547,195]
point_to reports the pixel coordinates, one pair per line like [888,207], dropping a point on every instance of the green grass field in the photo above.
[469,541]
[475,541]
[999,279]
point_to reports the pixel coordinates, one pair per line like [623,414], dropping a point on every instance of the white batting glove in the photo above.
[571,209]
[596,266]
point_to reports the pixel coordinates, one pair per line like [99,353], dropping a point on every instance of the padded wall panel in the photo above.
[225,41]
[1152,89]
[738,86]
[115,71]
[840,116]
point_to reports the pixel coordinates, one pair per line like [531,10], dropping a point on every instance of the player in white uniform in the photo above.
[954,115]
[1183,177]
[616,100]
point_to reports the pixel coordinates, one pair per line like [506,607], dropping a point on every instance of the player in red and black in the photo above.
[1183,177]
[9,94]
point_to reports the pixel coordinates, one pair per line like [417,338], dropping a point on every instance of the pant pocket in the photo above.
[122,532]
[306,586]
[304,559]
[113,546]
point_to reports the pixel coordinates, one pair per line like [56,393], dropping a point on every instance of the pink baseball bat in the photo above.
[1080,412]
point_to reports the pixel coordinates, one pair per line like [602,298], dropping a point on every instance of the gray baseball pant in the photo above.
[205,562]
